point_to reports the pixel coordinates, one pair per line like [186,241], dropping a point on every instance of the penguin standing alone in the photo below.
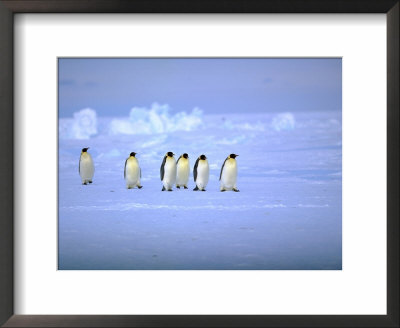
[168,171]
[86,167]
[132,172]
[201,172]
[182,168]
[228,175]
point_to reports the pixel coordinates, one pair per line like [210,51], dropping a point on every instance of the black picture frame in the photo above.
[10,7]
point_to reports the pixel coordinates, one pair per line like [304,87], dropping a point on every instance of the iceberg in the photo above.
[82,126]
[284,121]
[155,120]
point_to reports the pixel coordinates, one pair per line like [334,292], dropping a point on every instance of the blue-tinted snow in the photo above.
[287,214]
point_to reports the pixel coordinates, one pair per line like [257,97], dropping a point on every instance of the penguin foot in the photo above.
[84,183]
[128,187]
[178,187]
[169,189]
[185,187]
[90,181]
[140,187]
[195,189]
[163,189]
[236,190]
[222,190]
[203,190]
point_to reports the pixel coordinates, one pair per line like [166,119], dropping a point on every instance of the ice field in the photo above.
[287,215]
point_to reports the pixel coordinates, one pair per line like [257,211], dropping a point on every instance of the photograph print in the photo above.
[199,163]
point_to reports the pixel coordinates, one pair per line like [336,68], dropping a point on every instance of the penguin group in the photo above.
[171,172]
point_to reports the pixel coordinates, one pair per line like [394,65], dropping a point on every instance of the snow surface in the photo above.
[287,215]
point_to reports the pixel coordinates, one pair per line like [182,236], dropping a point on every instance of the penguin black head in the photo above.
[170,154]
[84,150]
[185,155]
[132,154]
[203,157]
[233,155]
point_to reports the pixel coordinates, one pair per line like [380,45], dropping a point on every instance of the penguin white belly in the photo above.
[183,169]
[132,173]
[169,173]
[229,175]
[202,175]
[86,168]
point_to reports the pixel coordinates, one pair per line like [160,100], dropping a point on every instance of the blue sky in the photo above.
[113,86]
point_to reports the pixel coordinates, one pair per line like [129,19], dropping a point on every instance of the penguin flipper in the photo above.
[195,170]
[222,168]
[178,160]
[125,169]
[162,168]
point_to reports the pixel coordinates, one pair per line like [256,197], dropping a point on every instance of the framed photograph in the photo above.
[136,153]
[220,165]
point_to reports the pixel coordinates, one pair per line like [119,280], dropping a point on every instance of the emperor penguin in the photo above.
[86,167]
[228,175]
[201,172]
[182,171]
[132,172]
[168,171]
